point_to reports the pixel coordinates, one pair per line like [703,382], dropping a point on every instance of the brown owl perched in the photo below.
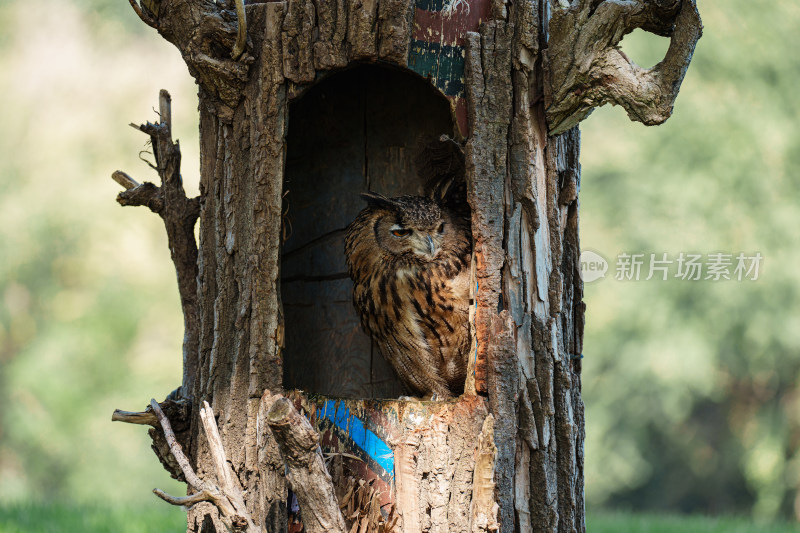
[409,258]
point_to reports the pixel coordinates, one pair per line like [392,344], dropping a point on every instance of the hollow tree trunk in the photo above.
[509,453]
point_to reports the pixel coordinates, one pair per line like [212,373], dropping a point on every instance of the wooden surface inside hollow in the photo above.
[355,131]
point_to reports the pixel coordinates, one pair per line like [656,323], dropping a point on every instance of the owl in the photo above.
[409,259]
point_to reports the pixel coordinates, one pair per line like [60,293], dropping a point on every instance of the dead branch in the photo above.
[175,407]
[146,194]
[241,35]
[179,214]
[125,180]
[175,447]
[145,17]
[306,472]
[145,418]
[229,498]
[588,69]
[177,410]
[225,475]
[185,501]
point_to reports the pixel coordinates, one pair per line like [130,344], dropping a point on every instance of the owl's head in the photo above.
[409,225]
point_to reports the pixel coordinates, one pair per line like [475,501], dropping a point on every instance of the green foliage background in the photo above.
[89,320]
[690,387]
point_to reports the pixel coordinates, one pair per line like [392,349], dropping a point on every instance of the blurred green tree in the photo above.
[84,326]
[691,387]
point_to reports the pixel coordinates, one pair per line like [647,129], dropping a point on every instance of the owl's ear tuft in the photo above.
[378,200]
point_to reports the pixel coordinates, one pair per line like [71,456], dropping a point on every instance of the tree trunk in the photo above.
[513,84]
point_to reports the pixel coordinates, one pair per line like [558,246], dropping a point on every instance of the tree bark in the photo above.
[506,456]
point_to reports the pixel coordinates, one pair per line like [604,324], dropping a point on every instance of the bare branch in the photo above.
[177,410]
[241,35]
[147,19]
[144,418]
[176,449]
[192,499]
[216,448]
[154,130]
[229,499]
[587,68]
[165,110]
[124,180]
[145,194]
[180,215]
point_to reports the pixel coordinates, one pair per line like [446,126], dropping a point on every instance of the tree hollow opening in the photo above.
[357,130]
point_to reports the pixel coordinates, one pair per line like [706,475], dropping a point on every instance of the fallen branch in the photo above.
[588,69]
[305,465]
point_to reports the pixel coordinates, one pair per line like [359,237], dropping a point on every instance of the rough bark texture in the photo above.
[587,69]
[529,317]
[509,454]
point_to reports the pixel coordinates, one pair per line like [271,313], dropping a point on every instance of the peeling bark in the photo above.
[483,512]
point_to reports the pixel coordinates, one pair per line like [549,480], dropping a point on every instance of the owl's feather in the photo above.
[412,289]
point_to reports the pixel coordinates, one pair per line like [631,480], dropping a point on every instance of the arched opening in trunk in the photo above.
[357,130]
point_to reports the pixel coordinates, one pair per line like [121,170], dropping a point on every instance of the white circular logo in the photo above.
[593,266]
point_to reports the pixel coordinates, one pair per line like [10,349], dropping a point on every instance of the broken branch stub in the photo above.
[588,69]
[305,466]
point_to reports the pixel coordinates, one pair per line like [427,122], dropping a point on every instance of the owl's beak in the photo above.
[431,246]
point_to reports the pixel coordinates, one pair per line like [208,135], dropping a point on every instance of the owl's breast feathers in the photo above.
[416,311]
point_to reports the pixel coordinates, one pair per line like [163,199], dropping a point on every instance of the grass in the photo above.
[157,518]
[67,518]
[621,522]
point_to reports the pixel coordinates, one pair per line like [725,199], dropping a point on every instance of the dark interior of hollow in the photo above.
[356,130]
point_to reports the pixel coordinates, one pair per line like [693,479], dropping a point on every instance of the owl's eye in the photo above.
[440,229]
[401,232]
